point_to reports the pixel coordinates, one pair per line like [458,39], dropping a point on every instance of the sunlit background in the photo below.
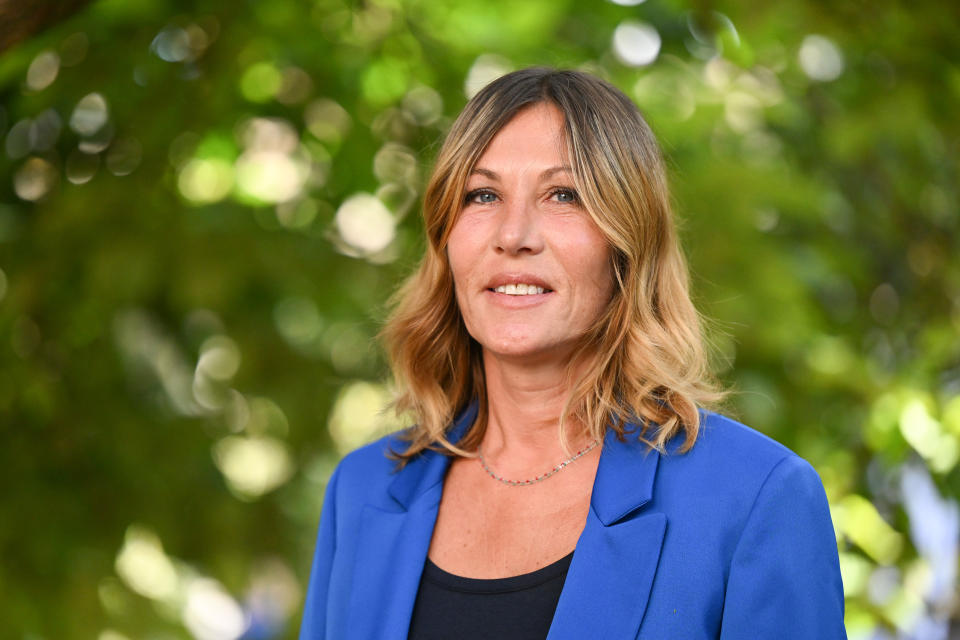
[204,206]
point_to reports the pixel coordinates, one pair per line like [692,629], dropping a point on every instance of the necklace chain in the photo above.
[540,478]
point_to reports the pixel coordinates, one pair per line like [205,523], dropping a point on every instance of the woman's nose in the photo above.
[518,229]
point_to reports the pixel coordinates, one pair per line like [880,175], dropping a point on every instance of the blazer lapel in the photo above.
[393,544]
[391,552]
[608,584]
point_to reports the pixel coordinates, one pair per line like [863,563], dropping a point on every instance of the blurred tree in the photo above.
[204,206]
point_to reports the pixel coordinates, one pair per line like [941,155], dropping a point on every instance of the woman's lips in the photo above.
[517,283]
[518,301]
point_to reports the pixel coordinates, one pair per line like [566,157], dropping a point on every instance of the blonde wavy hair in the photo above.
[644,367]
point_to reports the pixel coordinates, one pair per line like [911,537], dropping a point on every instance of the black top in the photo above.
[515,608]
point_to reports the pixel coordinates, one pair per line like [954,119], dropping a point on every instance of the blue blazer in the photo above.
[730,540]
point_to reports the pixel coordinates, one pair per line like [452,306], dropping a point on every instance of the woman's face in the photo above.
[530,267]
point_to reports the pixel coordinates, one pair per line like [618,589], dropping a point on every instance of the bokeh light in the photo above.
[35,178]
[261,82]
[423,105]
[295,86]
[206,180]
[298,213]
[253,465]
[859,520]
[636,43]
[98,141]
[123,156]
[484,69]
[272,598]
[89,115]
[211,613]
[327,120]
[820,58]
[171,44]
[18,143]
[273,168]
[219,358]
[43,70]
[144,567]
[270,176]
[298,320]
[925,434]
[81,167]
[395,163]
[44,130]
[365,224]
[360,414]
[33,134]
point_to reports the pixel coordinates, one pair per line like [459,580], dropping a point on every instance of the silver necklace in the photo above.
[541,478]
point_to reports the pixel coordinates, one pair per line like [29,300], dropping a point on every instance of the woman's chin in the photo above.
[526,351]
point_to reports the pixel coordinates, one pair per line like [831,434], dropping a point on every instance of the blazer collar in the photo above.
[624,481]
[625,477]
[429,468]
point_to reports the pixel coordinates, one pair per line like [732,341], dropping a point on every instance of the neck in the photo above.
[525,402]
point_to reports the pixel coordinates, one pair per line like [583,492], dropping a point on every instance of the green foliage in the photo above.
[188,309]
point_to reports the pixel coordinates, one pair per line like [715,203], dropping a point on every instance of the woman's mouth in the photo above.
[520,289]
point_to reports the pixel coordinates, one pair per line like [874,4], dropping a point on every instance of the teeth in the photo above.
[519,289]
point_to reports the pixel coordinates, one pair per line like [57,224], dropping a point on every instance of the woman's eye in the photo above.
[566,195]
[480,197]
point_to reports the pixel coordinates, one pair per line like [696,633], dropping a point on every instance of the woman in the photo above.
[563,480]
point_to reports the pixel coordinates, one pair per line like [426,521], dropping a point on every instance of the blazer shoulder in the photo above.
[371,456]
[728,458]
[369,469]
[731,472]
[721,436]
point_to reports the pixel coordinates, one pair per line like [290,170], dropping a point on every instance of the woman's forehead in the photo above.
[533,140]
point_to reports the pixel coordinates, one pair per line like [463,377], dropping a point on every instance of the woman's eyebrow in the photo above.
[546,173]
[554,170]
[486,173]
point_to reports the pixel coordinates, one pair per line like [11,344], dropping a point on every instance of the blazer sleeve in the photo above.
[314,622]
[784,579]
